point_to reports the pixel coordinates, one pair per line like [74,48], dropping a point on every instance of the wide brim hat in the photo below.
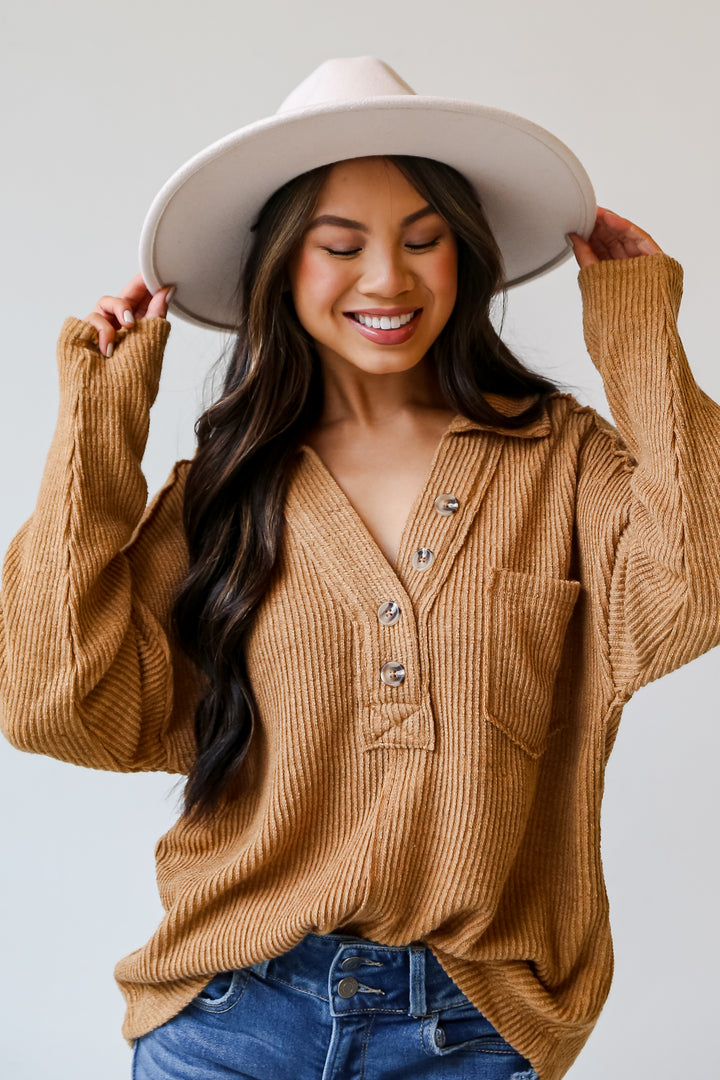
[197,230]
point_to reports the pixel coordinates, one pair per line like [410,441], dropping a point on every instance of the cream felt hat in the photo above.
[197,230]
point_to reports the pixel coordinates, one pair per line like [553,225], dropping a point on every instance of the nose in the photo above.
[386,273]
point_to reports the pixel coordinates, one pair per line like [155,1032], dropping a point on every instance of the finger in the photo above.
[118,308]
[610,234]
[608,244]
[598,243]
[109,313]
[634,240]
[582,250]
[600,248]
[106,332]
[154,305]
[136,296]
[136,290]
[157,308]
[616,247]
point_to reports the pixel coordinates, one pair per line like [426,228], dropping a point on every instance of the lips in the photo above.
[383,322]
[390,336]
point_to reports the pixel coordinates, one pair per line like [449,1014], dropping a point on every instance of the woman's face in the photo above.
[374,248]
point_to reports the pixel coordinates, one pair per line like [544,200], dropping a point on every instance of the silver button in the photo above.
[446,504]
[348,986]
[388,613]
[392,673]
[422,558]
[350,963]
[439,1037]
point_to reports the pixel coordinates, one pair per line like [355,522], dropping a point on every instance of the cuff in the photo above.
[138,354]
[629,292]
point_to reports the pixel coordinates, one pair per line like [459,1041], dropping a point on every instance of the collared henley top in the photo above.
[460,807]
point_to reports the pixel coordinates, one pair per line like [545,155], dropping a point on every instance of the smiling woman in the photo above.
[399,259]
[379,249]
[413,231]
[387,617]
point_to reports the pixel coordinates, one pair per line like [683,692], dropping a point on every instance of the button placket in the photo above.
[446,505]
[397,710]
[326,527]
[392,673]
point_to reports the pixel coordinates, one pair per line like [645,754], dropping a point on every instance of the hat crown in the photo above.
[351,78]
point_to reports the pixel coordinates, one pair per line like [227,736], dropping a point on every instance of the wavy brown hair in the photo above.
[271,397]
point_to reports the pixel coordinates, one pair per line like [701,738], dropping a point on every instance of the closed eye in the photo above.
[419,247]
[410,247]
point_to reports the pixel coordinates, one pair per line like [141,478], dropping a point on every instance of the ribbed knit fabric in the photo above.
[460,808]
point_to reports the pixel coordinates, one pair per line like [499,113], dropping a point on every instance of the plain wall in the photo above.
[101,103]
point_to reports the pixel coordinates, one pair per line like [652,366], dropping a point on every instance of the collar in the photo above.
[508,407]
[535,429]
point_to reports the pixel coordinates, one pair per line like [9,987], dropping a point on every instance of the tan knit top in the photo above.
[460,807]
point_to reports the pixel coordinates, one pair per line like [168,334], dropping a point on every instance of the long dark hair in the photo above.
[247,441]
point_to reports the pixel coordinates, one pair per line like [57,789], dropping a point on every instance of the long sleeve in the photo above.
[651,483]
[87,671]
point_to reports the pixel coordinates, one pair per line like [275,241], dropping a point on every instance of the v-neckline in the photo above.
[343,499]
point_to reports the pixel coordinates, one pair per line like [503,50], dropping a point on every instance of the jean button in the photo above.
[350,963]
[348,987]
[439,1037]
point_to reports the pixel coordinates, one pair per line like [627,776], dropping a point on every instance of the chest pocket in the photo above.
[526,619]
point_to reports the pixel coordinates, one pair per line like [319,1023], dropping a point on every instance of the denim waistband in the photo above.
[357,975]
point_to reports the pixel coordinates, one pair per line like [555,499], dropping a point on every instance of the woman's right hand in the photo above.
[133,302]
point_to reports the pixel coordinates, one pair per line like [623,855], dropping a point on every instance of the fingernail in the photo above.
[169,295]
[109,350]
[128,317]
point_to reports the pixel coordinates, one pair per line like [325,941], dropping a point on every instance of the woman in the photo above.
[385,621]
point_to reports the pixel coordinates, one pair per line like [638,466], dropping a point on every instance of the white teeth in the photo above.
[384,322]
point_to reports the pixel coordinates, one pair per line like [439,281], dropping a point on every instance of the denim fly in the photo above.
[334,1007]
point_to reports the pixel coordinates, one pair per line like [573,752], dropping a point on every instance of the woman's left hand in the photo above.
[613,237]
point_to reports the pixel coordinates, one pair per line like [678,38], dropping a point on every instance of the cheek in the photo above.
[445,276]
[315,283]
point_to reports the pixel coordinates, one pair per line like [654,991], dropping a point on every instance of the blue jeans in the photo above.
[334,1007]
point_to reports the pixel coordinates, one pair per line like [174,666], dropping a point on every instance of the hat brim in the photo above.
[197,230]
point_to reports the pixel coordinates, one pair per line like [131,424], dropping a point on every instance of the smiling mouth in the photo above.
[383,322]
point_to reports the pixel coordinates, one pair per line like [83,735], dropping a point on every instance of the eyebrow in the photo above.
[349,223]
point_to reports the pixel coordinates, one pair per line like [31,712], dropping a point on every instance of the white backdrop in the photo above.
[101,104]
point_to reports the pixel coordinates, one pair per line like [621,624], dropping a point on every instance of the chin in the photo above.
[387,362]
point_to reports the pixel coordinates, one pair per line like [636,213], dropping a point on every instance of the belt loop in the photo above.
[261,967]
[417,981]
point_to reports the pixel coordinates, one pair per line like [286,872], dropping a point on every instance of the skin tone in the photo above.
[379,264]
[382,402]
[133,302]
[613,237]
